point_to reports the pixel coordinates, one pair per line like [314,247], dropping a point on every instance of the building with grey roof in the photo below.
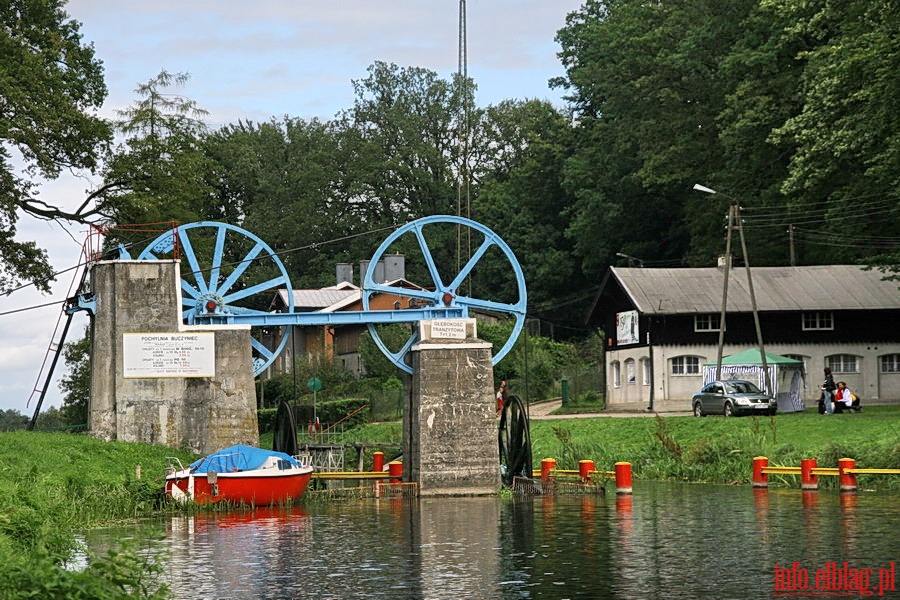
[663,325]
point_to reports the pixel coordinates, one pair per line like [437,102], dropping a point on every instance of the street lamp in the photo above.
[734,214]
[631,259]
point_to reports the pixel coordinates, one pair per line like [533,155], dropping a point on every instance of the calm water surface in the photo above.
[667,541]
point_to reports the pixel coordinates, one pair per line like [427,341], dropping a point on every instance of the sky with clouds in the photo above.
[255,61]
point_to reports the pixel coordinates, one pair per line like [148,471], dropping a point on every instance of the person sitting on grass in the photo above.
[844,399]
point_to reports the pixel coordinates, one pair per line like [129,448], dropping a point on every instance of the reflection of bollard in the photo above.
[584,470]
[808,480]
[848,500]
[547,465]
[810,498]
[395,470]
[623,477]
[760,479]
[378,461]
[848,480]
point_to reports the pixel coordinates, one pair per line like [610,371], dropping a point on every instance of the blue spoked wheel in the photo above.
[443,279]
[227,270]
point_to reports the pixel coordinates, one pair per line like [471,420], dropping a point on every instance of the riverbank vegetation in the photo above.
[54,484]
[712,449]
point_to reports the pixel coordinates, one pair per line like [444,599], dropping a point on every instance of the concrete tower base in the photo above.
[450,425]
[135,399]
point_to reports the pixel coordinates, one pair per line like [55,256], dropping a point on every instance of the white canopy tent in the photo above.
[786,374]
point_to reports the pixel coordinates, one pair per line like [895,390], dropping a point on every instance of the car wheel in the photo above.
[698,410]
[772,412]
[728,411]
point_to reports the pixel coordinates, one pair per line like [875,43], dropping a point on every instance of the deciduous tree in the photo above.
[50,85]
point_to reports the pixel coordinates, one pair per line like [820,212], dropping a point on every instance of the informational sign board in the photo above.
[169,354]
[448,329]
[627,327]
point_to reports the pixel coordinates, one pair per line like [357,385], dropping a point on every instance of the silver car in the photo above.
[732,397]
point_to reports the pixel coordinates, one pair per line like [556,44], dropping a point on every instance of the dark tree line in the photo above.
[785,106]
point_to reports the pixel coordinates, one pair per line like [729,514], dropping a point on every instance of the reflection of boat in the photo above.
[241,475]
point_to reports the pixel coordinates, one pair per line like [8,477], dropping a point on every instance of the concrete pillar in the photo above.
[450,425]
[203,413]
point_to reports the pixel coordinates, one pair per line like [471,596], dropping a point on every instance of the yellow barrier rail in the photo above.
[536,473]
[352,475]
[831,471]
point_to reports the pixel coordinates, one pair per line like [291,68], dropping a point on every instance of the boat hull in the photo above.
[263,487]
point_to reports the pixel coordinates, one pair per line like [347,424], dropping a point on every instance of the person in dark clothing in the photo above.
[827,398]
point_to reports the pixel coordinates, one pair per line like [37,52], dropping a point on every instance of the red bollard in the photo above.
[848,480]
[395,470]
[623,477]
[378,461]
[808,481]
[547,465]
[760,479]
[585,467]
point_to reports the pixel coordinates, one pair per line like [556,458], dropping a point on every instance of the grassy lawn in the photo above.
[713,449]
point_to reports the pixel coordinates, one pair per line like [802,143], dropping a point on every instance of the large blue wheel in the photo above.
[450,285]
[227,270]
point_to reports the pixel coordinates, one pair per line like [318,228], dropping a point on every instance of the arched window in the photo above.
[645,371]
[616,373]
[630,372]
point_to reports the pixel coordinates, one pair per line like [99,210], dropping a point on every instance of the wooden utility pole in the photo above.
[725,291]
[791,242]
[734,213]
[759,338]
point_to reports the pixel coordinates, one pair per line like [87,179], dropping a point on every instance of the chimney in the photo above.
[344,272]
[377,275]
[394,267]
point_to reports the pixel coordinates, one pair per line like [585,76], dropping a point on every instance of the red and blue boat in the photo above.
[240,475]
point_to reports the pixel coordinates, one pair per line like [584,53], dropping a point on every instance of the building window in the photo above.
[817,320]
[616,374]
[630,373]
[890,363]
[710,322]
[645,371]
[685,365]
[842,363]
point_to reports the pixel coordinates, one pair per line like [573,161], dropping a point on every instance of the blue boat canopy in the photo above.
[238,458]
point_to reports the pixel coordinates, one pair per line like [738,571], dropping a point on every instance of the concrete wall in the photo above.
[450,425]
[201,413]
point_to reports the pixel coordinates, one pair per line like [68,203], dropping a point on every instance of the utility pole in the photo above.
[725,291]
[791,242]
[734,213]
[759,338]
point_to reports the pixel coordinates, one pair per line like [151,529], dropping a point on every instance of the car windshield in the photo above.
[742,387]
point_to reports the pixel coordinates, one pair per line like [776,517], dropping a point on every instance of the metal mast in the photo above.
[463,197]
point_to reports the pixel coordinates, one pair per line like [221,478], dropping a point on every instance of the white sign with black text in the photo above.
[169,354]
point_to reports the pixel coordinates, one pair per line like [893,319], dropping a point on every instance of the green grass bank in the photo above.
[54,484]
[712,449]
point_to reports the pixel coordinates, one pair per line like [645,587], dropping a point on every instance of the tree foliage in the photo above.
[76,384]
[51,82]
[786,106]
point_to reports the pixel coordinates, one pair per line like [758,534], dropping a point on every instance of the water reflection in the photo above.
[665,541]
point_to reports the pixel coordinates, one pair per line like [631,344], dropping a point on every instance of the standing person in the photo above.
[501,397]
[828,388]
